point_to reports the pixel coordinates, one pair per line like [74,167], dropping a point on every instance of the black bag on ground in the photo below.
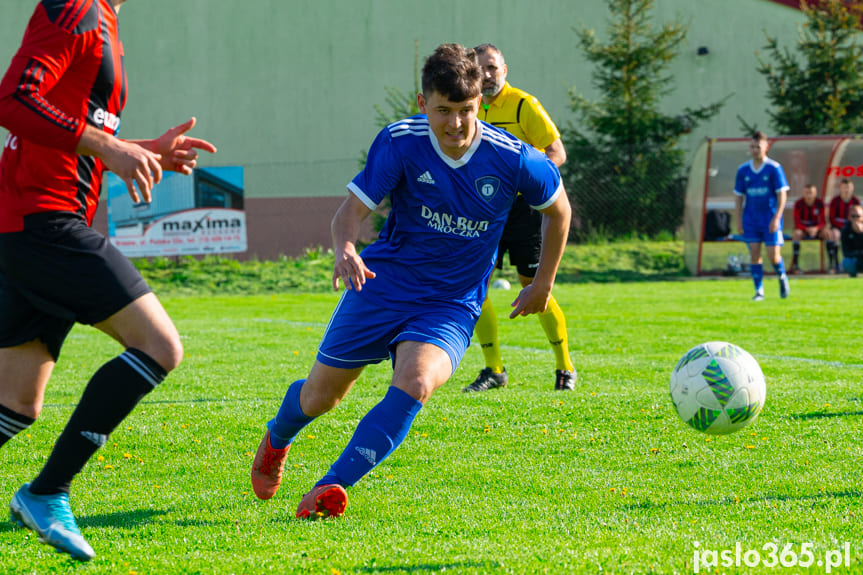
[717,225]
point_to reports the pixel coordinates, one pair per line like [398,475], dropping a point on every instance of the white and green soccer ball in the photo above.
[717,388]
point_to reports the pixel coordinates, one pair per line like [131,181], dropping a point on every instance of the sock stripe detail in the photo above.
[12,423]
[142,368]
[7,430]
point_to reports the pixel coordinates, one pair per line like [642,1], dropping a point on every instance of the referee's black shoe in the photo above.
[565,379]
[487,379]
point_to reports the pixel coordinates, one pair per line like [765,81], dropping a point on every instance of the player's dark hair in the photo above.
[845,181]
[758,135]
[452,71]
[483,48]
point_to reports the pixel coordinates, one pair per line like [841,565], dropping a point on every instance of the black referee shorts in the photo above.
[522,238]
[56,272]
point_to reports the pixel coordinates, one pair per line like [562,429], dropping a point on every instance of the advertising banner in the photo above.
[188,215]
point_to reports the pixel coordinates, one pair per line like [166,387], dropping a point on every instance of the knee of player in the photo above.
[26,406]
[167,352]
[418,387]
[319,404]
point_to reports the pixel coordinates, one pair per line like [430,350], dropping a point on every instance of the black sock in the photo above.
[12,423]
[113,392]
[831,252]
[796,255]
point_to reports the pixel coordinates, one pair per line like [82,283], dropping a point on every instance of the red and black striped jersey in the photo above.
[806,216]
[67,73]
[839,210]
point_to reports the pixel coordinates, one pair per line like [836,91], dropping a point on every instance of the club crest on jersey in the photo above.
[487,186]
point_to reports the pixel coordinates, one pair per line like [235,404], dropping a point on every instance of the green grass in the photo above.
[620,261]
[523,480]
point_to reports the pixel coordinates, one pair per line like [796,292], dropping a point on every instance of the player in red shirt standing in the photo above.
[809,222]
[839,206]
[61,101]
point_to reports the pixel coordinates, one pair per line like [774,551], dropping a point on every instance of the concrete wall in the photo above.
[287,89]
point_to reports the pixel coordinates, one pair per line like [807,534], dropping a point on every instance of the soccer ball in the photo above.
[500,284]
[717,388]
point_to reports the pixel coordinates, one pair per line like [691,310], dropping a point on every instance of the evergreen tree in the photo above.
[625,171]
[822,91]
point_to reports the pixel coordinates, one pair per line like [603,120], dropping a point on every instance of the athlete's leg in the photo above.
[144,325]
[554,324]
[305,399]
[420,369]
[24,373]
[486,334]
[796,237]
[153,348]
[325,387]
[756,268]
[834,238]
[774,253]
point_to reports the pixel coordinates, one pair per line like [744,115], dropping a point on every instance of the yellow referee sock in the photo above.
[554,324]
[486,333]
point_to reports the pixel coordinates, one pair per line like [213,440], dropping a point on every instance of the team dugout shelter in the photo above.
[820,160]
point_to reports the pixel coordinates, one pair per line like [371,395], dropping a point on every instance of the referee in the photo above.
[523,116]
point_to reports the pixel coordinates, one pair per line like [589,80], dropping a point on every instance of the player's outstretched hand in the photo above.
[134,165]
[531,299]
[351,269]
[179,152]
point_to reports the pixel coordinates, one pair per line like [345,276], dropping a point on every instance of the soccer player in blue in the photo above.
[760,193]
[415,294]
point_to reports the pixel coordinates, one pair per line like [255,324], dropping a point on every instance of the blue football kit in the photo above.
[438,246]
[760,189]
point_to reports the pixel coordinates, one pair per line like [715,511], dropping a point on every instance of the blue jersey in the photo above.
[761,189]
[439,242]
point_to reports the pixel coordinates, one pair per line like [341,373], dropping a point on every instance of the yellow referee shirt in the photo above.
[521,115]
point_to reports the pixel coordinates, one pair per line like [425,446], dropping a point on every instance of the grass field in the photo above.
[523,480]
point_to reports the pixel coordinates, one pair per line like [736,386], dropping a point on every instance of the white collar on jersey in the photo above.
[477,139]
[761,167]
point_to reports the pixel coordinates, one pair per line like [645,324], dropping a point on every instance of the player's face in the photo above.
[855,215]
[453,123]
[809,195]
[493,72]
[846,191]
[758,149]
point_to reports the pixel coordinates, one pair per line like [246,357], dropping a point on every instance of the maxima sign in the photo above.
[196,231]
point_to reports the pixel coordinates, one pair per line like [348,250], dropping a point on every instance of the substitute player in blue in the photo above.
[760,193]
[415,294]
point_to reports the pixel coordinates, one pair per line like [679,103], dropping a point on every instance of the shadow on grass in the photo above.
[649,505]
[121,519]
[617,276]
[429,567]
[823,415]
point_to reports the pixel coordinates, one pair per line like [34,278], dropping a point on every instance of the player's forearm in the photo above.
[555,230]
[95,142]
[738,212]
[780,204]
[345,227]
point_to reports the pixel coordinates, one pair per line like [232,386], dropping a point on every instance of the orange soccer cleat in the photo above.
[267,468]
[323,501]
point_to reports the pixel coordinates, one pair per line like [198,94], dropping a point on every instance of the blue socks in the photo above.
[780,267]
[290,419]
[377,435]
[757,271]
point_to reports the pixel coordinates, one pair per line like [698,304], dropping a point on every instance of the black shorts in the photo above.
[522,238]
[56,272]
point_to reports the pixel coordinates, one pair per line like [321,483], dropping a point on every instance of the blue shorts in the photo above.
[361,332]
[765,237]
